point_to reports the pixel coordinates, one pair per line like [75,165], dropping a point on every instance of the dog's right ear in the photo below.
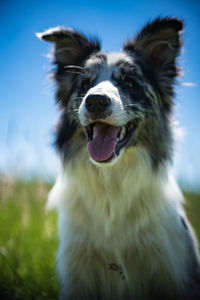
[71,47]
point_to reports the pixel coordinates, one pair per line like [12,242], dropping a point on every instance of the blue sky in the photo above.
[27,105]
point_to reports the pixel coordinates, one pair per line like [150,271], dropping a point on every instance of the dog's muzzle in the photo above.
[98,114]
[105,140]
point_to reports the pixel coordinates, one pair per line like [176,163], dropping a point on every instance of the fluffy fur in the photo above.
[123,232]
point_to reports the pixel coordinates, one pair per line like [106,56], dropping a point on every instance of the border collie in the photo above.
[123,231]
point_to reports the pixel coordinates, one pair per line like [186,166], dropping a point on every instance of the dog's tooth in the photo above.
[123,132]
[94,131]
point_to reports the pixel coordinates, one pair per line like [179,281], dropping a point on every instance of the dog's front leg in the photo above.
[80,273]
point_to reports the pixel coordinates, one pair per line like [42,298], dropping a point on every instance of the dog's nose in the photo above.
[97,103]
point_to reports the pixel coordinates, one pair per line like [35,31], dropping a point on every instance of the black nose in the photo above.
[97,103]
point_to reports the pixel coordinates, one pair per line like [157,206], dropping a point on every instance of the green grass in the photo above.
[192,208]
[28,240]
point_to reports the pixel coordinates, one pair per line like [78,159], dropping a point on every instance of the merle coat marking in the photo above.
[123,231]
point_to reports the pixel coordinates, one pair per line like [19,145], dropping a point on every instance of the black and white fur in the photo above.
[123,232]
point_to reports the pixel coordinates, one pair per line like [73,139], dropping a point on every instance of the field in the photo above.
[28,240]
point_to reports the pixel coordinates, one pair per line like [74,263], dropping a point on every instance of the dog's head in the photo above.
[113,101]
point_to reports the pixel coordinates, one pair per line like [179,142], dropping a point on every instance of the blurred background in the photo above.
[28,163]
[28,113]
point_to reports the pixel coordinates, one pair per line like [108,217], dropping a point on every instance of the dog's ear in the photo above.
[159,41]
[157,46]
[71,47]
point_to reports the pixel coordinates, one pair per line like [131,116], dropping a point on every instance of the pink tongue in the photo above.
[102,146]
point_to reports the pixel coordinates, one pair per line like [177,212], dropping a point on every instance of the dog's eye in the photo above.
[127,82]
[85,84]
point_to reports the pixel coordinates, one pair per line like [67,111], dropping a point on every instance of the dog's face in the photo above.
[107,111]
[113,101]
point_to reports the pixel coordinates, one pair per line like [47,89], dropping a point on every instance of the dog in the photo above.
[122,228]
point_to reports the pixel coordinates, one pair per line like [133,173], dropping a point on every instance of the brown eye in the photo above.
[128,82]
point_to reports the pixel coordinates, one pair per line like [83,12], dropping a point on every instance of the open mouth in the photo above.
[105,141]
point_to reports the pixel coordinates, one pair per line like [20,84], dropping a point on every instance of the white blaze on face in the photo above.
[108,131]
[105,85]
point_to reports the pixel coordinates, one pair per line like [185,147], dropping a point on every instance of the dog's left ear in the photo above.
[71,47]
[157,46]
[159,41]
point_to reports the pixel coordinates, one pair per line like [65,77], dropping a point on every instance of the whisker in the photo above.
[72,114]
[131,104]
[74,72]
[77,98]
[75,69]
